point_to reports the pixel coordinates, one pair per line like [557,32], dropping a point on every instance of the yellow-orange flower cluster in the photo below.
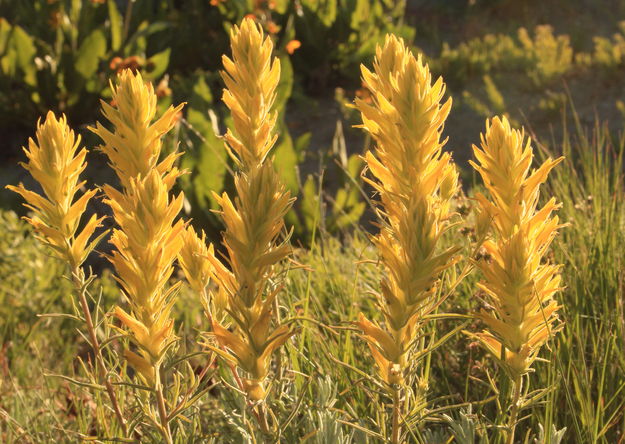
[518,283]
[255,219]
[54,162]
[415,182]
[134,146]
[148,238]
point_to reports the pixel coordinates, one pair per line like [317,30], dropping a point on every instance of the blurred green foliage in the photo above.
[609,53]
[544,57]
[30,280]
[60,55]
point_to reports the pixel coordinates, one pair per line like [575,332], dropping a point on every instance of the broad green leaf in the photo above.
[309,203]
[301,145]
[18,51]
[5,34]
[361,14]
[349,216]
[74,19]
[285,159]
[92,50]
[209,159]
[325,10]
[25,52]
[281,6]
[157,65]
[210,169]
[137,43]
[354,165]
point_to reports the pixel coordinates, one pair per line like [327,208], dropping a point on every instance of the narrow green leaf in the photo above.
[115,19]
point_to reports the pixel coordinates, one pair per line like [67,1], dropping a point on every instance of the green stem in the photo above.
[396,407]
[262,419]
[79,285]
[514,412]
[162,409]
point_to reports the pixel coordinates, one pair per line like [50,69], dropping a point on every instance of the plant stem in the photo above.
[262,419]
[396,406]
[79,285]
[162,410]
[515,409]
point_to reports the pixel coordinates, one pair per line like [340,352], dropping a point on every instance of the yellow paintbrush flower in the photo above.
[254,220]
[54,162]
[134,145]
[415,182]
[519,284]
[192,259]
[251,79]
[147,243]
[148,238]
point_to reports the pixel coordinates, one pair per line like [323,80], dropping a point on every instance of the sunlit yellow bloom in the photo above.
[54,162]
[251,78]
[148,238]
[519,284]
[415,182]
[147,243]
[192,259]
[195,260]
[254,220]
[134,145]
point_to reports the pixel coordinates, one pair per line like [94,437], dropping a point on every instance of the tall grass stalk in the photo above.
[589,356]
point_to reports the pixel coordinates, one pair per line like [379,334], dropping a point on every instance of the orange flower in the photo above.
[133,63]
[272,28]
[115,62]
[292,46]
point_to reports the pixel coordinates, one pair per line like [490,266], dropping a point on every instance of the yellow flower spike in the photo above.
[193,260]
[134,146]
[142,365]
[55,161]
[520,286]
[148,238]
[146,245]
[254,219]
[415,182]
[251,79]
[377,336]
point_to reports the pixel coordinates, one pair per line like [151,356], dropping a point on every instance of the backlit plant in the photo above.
[149,235]
[254,220]
[519,284]
[415,182]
